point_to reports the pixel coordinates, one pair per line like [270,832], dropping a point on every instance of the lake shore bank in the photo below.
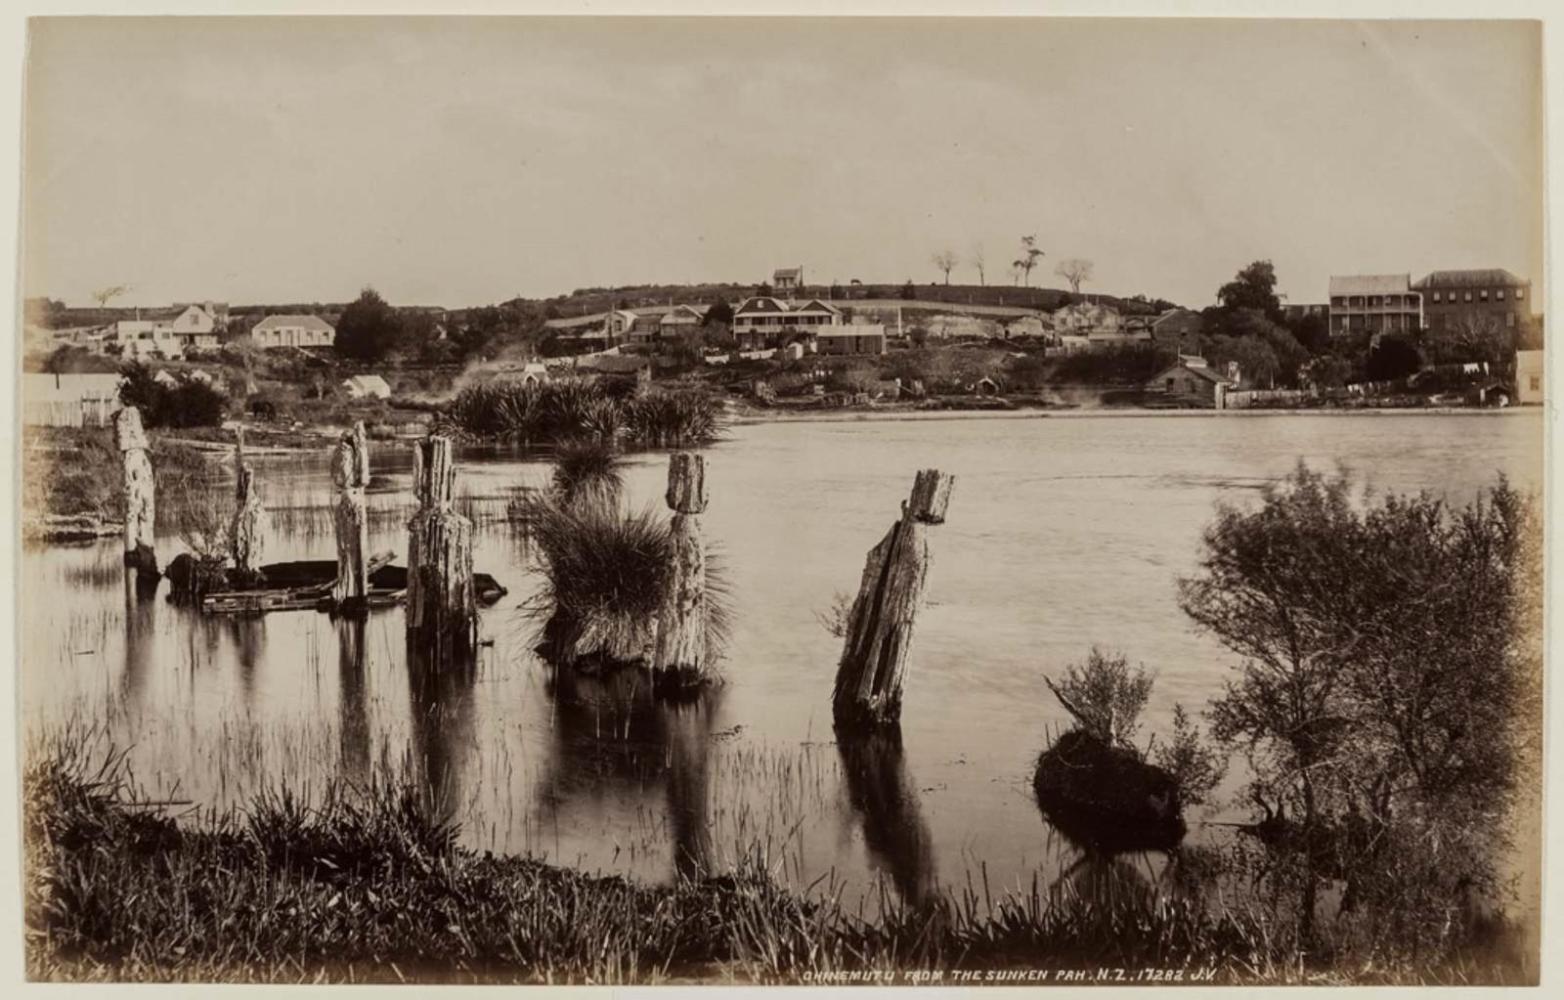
[379,891]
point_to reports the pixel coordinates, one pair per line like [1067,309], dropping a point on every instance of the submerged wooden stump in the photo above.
[350,473]
[246,533]
[140,501]
[879,627]
[442,615]
[682,620]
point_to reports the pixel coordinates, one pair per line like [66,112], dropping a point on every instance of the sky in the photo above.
[462,162]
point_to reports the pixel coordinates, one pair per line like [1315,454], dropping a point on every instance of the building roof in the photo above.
[1199,370]
[367,382]
[1486,277]
[769,305]
[282,320]
[1370,284]
[795,273]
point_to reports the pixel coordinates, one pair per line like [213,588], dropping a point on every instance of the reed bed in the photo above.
[560,412]
[377,888]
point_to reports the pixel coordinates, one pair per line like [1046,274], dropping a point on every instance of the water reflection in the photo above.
[248,634]
[141,619]
[886,802]
[352,700]
[441,691]
[614,739]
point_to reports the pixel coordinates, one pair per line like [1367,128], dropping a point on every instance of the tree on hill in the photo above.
[945,261]
[1253,287]
[977,262]
[369,329]
[1075,270]
[908,290]
[1028,259]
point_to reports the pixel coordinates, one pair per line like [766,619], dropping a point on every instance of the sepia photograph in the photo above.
[791,500]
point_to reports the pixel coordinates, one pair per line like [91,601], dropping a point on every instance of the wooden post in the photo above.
[140,502]
[350,472]
[245,535]
[879,628]
[681,622]
[441,609]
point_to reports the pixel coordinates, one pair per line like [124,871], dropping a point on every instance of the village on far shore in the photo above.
[1454,338]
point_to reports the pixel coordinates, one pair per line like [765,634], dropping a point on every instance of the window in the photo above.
[1520,293]
[1536,383]
[1483,295]
[1468,296]
[1499,295]
[1436,296]
[1509,320]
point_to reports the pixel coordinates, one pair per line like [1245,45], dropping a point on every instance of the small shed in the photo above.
[367,387]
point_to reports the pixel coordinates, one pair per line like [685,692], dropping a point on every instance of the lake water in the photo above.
[1063,532]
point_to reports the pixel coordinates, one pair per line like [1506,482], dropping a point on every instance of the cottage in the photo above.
[788,280]
[1087,318]
[70,400]
[852,338]
[293,331]
[1025,326]
[679,319]
[196,326]
[367,387]
[1191,379]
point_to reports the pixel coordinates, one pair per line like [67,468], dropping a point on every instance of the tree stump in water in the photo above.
[441,607]
[245,534]
[350,473]
[140,502]
[681,622]
[879,627]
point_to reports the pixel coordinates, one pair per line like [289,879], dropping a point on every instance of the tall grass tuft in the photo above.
[589,470]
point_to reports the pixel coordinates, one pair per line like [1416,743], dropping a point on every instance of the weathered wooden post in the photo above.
[140,502]
[246,532]
[441,610]
[879,628]
[350,473]
[681,621]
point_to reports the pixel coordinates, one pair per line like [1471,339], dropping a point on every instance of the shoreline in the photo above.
[1076,413]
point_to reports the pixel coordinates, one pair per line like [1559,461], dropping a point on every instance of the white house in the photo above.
[760,320]
[293,331]
[196,326]
[140,339]
[367,387]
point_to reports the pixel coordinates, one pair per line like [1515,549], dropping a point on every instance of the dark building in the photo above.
[1451,295]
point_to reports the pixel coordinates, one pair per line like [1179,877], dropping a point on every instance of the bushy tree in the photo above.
[369,329]
[1106,695]
[1392,357]
[719,312]
[1253,287]
[1383,695]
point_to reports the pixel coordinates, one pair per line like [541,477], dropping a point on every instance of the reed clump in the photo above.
[558,412]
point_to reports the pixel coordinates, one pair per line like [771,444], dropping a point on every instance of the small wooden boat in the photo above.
[307,584]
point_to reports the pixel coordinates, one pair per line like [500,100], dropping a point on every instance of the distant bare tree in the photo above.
[103,295]
[1075,270]
[1028,258]
[945,260]
[977,262]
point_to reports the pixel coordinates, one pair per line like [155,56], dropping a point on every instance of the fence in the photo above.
[69,412]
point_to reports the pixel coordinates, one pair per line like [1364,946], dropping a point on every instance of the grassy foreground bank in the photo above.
[378,892]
